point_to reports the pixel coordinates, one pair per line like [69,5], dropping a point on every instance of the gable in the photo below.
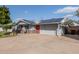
[23,21]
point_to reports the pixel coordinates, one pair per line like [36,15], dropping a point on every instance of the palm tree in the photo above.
[77,13]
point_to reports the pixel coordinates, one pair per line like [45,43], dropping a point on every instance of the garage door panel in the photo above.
[53,32]
[48,27]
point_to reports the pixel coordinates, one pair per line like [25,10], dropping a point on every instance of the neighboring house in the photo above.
[74,29]
[1,29]
[76,23]
[24,25]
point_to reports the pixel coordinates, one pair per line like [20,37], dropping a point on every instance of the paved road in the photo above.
[37,43]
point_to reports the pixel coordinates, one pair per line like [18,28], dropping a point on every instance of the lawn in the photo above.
[5,34]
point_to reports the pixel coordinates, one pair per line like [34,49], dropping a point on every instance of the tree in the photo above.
[7,26]
[4,16]
[77,13]
[68,22]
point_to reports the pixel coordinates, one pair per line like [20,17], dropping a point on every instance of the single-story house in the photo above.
[24,25]
[50,26]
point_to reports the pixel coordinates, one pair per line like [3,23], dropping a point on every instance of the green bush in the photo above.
[6,27]
[4,34]
[1,34]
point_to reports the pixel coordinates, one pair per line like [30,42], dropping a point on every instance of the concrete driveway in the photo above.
[38,43]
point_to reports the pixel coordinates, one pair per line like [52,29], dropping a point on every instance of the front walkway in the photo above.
[37,43]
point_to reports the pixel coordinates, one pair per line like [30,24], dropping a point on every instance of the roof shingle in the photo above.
[53,20]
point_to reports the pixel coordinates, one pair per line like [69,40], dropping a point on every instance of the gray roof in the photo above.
[26,21]
[31,22]
[50,21]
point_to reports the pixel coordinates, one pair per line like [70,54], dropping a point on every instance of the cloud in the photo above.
[67,10]
[70,15]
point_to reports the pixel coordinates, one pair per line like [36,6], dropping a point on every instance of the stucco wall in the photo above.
[50,29]
[31,27]
[1,29]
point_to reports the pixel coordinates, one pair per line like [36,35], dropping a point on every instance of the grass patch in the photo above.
[5,34]
[2,34]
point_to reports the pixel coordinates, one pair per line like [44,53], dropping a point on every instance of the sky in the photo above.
[40,12]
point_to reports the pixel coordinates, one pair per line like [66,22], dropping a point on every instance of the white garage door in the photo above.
[49,29]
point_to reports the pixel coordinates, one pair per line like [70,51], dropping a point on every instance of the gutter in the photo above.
[50,23]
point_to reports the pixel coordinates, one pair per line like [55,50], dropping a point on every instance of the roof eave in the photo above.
[51,23]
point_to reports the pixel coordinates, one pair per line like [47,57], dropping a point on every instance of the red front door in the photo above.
[37,28]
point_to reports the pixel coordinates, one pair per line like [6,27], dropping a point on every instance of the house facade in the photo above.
[24,26]
[49,27]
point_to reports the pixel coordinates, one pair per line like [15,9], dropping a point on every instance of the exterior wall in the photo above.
[1,29]
[9,30]
[31,27]
[50,29]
